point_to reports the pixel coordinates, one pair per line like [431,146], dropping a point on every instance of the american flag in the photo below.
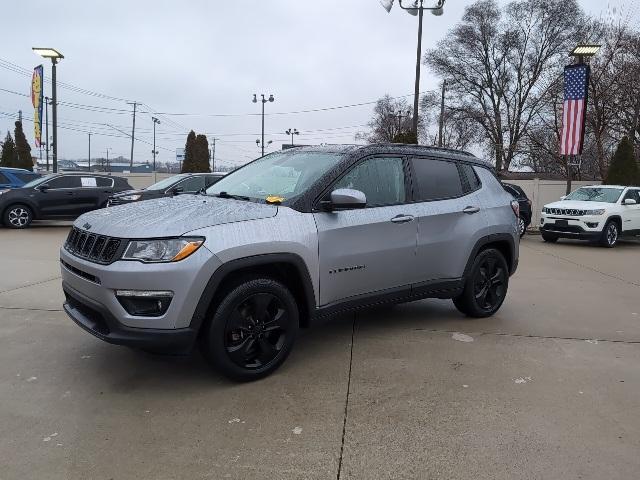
[576,82]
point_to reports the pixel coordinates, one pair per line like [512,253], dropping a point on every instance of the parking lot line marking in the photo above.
[30,285]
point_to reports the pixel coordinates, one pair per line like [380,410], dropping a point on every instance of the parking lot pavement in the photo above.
[548,388]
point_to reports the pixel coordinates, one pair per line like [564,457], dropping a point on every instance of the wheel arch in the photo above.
[615,218]
[288,268]
[503,242]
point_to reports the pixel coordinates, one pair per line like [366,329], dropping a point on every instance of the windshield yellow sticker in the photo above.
[274,199]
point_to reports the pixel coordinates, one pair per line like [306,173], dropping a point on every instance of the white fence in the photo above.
[540,192]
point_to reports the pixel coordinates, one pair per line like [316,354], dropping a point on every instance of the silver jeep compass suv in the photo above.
[291,237]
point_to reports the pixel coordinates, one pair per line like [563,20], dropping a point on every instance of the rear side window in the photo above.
[64,182]
[436,179]
[470,180]
[380,179]
[104,182]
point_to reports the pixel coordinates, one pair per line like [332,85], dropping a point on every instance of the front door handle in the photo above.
[471,210]
[69,193]
[402,218]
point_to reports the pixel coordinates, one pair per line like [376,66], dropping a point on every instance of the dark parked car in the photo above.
[525,205]
[168,187]
[15,177]
[57,196]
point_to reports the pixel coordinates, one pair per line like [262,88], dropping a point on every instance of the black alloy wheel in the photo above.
[486,286]
[252,330]
[522,226]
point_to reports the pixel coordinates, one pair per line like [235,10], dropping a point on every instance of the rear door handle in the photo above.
[402,218]
[471,210]
[68,193]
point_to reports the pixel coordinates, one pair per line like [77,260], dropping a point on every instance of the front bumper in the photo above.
[96,319]
[583,228]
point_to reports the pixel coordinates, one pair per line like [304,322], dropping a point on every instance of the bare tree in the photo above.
[459,130]
[500,65]
[391,121]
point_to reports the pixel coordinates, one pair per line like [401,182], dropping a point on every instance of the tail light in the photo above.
[515,206]
[528,202]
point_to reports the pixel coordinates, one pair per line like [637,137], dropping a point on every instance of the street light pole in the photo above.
[46,106]
[108,166]
[155,121]
[89,151]
[55,56]
[292,132]
[416,9]
[264,100]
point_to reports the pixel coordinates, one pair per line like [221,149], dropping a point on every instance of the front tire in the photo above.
[610,234]
[252,330]
[486,285]
[18,216]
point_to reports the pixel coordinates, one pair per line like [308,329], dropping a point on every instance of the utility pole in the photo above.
[155,121]
[89,151]
[108,166]
[441,126]
[213,154]
[263,100]
[20,116]
[133,132]
[46,106]
[54,111]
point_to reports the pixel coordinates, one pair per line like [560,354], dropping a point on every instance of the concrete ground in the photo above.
[548,388]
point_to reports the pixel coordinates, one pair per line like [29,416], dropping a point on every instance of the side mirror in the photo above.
[629,201]
[344,199]
[177,190]
[42,188]
[563,197]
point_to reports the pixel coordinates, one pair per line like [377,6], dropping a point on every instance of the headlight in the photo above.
[544,210]
[130,198]
[599,211]
[2,191]
[162,250]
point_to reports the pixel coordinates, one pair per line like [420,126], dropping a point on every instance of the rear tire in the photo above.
[547,237]
[252,330]
[522,225]
[17,216]
[610,234]
[486,285]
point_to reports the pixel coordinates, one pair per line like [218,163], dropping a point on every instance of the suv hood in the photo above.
[170,217]
[579,205]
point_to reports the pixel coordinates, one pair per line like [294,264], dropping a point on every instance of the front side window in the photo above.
[436,179]
[599,194]
[64,182]
[633,194]
[381,179]
[165,183]
[192,184]
[277,177]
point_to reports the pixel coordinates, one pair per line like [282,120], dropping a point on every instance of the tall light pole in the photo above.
[155,121]
[46,106]
[263,100]
[416,9]
[89,157]
[292,132]
[213,153]
[55,57]
[108,166]
[133,132]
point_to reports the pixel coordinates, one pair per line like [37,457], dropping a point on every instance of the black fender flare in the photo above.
[492,239]
[262,260]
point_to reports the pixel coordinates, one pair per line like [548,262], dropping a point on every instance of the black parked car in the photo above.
[57,196]
[175,185]
[525,205]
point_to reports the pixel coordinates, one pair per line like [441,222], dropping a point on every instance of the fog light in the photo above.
[592,224]
[144,303]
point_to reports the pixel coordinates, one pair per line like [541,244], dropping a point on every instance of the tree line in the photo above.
[16,154]
[502,68]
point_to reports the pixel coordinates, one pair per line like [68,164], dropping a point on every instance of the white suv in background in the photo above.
[600,213]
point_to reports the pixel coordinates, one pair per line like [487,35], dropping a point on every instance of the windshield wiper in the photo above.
[235,197]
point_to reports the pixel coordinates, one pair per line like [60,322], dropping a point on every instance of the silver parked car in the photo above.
[291,237]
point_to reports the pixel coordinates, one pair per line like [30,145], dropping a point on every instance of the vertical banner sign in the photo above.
[36,100]
[574,108]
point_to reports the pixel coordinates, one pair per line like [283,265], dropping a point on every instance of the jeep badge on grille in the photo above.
[87,226]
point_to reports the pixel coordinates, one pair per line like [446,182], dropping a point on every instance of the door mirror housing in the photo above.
[563,197]
[629,201]
[345,199]
[42,188]
[177,190]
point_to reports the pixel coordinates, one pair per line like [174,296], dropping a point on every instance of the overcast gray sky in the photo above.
[209,57]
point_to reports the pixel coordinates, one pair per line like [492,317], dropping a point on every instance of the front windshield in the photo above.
[37,181]
[606,195]
[166,183]
[276,177]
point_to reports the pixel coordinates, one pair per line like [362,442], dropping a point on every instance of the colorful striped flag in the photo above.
[576,87]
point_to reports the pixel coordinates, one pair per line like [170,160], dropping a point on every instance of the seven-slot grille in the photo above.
[566,211]
[92,247]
